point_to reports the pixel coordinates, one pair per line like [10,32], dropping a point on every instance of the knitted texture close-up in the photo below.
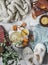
[14,10]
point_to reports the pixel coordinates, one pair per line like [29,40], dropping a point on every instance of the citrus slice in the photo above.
[25,32]
[44,20]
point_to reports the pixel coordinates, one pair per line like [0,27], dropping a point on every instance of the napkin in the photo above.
[40,35]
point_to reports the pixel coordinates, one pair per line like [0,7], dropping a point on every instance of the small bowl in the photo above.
[45,25]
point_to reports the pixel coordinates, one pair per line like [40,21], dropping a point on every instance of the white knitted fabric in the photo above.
[14,10]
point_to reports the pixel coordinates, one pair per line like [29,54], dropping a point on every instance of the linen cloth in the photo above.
[40,36]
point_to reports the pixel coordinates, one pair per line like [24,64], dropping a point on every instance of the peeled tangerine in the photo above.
[25,42]
[14,27]
[42,7]
[25,32]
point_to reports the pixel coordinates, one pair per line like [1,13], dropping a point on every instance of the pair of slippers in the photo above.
[36,56]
